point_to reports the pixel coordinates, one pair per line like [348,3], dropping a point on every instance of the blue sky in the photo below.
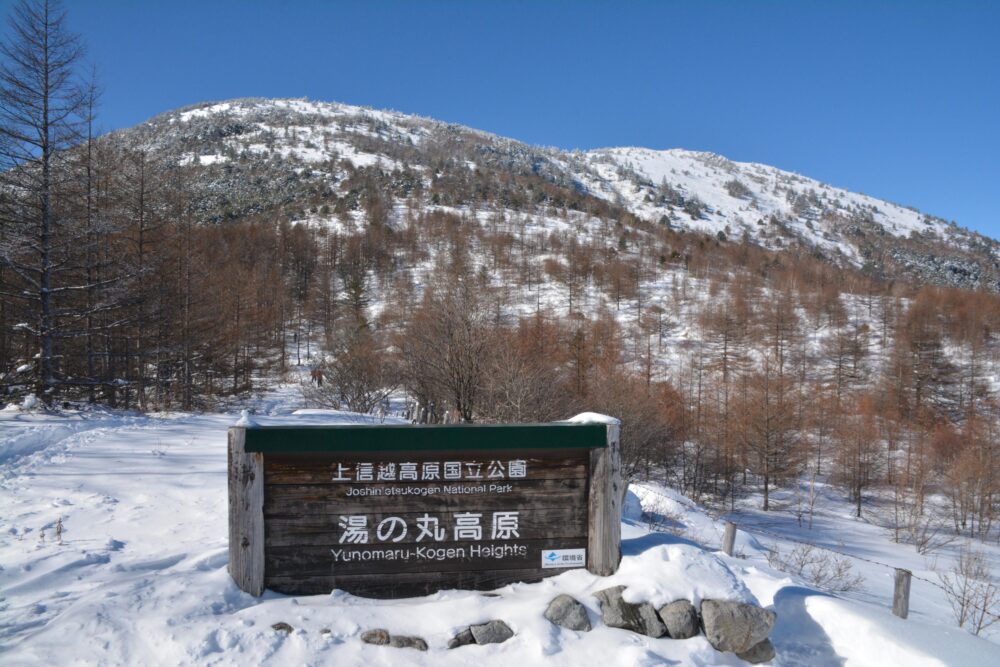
[900,100]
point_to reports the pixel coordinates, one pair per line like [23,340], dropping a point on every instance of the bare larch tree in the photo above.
[42,105]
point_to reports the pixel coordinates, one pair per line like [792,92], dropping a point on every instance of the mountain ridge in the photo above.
[694,191]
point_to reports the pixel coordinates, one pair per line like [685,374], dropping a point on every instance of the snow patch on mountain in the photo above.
[740,197]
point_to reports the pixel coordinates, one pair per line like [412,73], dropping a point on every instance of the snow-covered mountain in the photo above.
[256,155]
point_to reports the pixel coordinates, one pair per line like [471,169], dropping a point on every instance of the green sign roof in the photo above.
[409,438]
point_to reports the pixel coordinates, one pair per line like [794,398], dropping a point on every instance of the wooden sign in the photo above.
[393,511]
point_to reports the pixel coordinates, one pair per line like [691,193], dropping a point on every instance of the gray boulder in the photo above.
[399,641]
[379,637]
[640,618]
[735,626]
[463,638]
[567,612]
[762,652]
[681,619]
[282,627]
[493,632]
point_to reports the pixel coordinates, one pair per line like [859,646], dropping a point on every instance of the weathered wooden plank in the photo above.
[386,559]
[605,497]
[294,500]
[407,437]
[323,468]
[325,529]
[404,585]
[246,516]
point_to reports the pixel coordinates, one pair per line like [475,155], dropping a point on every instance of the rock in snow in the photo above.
[493,632]
[640,618]
[758,653]
[567,612]
[681,619]
[379,637]
[398,641]
[735,626]
[463,638]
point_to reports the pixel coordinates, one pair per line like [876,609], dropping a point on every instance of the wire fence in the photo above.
[756,530]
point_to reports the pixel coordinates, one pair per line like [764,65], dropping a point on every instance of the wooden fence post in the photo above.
[246,514]
[729,538]
[605,511]
[901,593]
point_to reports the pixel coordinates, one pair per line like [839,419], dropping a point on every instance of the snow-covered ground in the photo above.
[139,576]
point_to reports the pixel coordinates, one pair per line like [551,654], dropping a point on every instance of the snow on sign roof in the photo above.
[405,437]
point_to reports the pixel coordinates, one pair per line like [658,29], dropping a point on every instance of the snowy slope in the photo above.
[140,576]
[769,191]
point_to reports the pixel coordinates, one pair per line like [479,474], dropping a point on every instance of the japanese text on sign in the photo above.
[430,471]
[467,526]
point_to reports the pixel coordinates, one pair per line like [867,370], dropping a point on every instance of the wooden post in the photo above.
[729,538]
[901,594]
[605,506]
[246,514]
